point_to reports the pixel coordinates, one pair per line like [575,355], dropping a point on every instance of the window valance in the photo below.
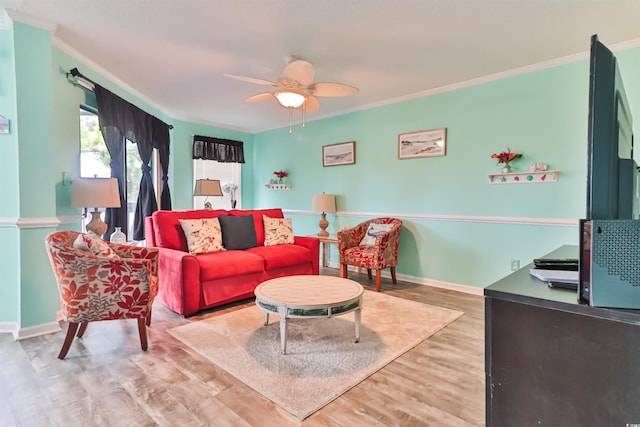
[221,150]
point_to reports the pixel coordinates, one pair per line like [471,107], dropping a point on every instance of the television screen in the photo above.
[611,171]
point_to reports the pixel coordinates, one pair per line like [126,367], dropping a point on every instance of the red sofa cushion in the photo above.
[229,263]
[257,219]
[280,256]
[168,231]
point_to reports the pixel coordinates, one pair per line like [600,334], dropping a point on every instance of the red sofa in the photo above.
[189,283]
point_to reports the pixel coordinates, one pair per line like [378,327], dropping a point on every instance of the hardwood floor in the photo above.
[106,380]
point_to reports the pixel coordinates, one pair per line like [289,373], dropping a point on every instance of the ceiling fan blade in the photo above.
[261,97]
[311,104]
[332,89]
[300,71]
[252,80]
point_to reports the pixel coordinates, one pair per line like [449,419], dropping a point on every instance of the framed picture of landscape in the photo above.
[423,143]
[343,153]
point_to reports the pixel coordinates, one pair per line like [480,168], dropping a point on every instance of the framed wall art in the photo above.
[423,143]
[343,153]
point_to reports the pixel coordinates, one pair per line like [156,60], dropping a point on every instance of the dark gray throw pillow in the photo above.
[238,232]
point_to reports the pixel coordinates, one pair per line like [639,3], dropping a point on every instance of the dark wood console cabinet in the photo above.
[551,361]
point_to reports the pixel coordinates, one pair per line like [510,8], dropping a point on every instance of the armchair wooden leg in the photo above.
[83,328]
[369,273]
[378,277]
[393,275]
[343,270]
[142,330]
[149,317]
[71,331]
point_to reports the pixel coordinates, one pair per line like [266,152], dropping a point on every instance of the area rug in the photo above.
[322,360]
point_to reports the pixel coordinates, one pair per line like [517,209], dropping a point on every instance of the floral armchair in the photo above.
[380,252]
[120,283]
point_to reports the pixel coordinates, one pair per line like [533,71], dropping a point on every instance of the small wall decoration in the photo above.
[4,125]
[343,153]
[423,143]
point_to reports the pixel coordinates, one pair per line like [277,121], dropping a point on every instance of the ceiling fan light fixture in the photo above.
[290,98]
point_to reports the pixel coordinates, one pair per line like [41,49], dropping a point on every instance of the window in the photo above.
[225,172]
[95,160]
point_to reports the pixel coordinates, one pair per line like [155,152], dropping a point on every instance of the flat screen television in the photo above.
[611,181]
[610,232]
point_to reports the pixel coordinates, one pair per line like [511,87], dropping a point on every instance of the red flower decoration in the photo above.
[506,156]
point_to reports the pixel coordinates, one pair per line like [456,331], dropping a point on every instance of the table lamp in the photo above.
[207,187]
[95,193]
[323,203]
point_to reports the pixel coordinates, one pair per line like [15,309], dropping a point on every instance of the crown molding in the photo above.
[32,21]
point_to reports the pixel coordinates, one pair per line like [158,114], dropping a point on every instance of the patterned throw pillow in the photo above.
[374,230]
[277,231]
[203,235]
[93,244]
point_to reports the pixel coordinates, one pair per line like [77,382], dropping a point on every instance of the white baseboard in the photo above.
[424,281]
[9,328]
[37,330]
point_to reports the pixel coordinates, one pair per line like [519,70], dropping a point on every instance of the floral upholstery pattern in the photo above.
[204,235]
[99,288]
[277,231]
[91,242]
[383,254]
[96,287]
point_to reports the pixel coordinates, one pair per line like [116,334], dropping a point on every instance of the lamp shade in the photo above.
[207,187]
[95,193]
[323,203]
[290,99]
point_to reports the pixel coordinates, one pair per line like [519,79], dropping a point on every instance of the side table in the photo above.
[329,240]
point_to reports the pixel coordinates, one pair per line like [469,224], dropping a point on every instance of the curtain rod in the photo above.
[85,82]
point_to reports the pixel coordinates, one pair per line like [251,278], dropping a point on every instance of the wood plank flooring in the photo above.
[106,380]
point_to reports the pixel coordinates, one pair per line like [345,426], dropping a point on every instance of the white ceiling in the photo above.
[174,53]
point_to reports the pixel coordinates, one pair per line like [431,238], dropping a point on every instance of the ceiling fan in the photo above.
[295,89]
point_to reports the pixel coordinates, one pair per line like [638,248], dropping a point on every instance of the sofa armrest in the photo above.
[179,281]
[149,232]
[313,244]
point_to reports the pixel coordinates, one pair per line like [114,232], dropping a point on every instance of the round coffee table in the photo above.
[309,296]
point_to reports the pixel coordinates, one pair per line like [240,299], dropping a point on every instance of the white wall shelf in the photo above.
[278,186]
[523,177]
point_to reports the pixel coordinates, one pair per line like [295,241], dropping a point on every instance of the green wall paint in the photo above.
[38,301]
[9,259]
[541,114]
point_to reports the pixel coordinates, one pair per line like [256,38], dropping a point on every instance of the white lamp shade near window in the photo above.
[207,187]
[323,203]
[95,193]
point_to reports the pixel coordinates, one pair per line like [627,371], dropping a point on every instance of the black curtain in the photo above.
[120,120]
[221,150]
[114,139]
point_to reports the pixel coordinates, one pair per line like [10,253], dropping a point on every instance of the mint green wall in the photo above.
[541,114]
[33,125]
[9,236]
